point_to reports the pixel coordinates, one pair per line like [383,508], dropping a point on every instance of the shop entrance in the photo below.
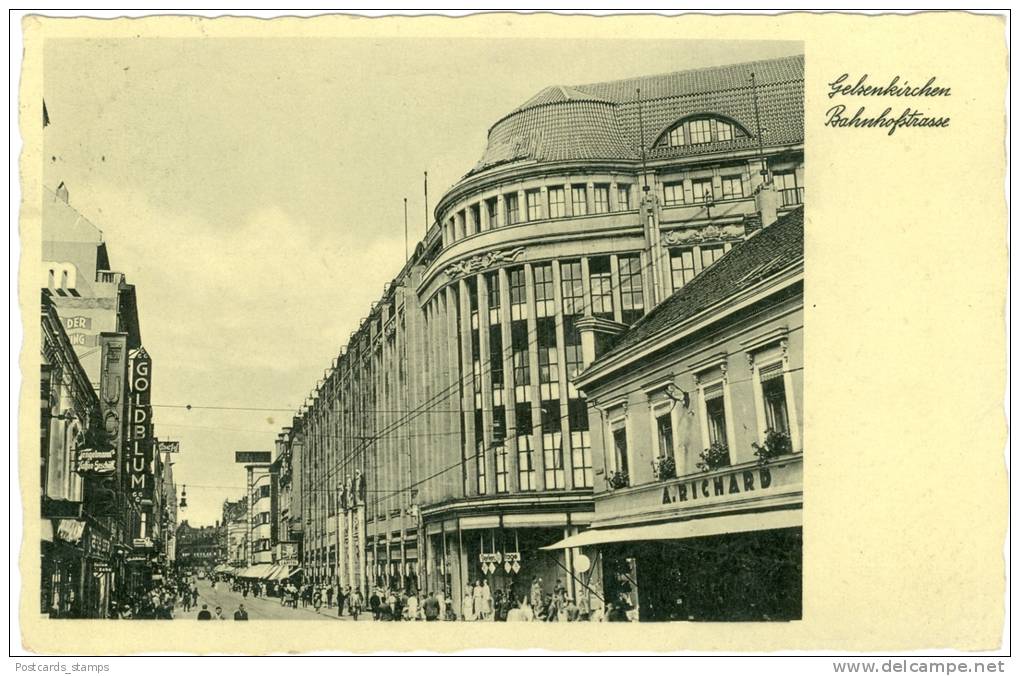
[741,577]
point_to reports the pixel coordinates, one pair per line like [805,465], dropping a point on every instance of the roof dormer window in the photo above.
[702,129]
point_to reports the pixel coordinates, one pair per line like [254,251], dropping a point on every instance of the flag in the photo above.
[45,115]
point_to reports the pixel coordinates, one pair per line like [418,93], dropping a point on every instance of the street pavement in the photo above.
[262,608]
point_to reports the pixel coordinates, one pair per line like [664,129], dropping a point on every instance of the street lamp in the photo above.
[184,497]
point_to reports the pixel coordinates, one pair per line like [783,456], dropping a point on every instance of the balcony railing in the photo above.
[109,277]
[791,196]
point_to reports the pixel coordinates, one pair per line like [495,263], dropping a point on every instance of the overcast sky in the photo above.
[253,190]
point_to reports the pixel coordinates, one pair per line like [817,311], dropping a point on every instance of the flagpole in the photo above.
[406,256]
[426,202]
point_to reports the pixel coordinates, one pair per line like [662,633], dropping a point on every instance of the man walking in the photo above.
[430,606]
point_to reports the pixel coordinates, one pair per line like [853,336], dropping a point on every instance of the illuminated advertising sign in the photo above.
[168,446]
[140,481]
[253,457]
[112,390]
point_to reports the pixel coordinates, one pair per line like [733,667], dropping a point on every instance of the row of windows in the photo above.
[551,442]
[673,193]
[600,279]
[775,405]
[682,262]
[582,201]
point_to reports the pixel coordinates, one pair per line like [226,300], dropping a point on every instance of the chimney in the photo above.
[766,202]
[62,192]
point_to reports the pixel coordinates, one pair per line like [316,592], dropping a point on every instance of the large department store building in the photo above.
[446,443]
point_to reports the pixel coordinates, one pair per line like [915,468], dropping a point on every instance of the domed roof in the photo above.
[558,94]
[600,121]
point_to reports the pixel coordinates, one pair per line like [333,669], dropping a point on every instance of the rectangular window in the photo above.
[773,390]
[518,294]
[519,339]
[512,208]
[681,263]
[552,445]
[676,136]
[715,412]
[732,187]
[579,200]
[600,199]
[533,199]
[601,277]
[492,284]
[496,356]
[723,131]
[702,189]
[631,291]
[701,131]
[525,463]
[572,287]
[476,217]
[499,450]
[544,301]
[572,356]
[664,431]
[490,208]
[790,193]
[557,203]
[480,460]
[710,254]
[623,198]
[580,443]
[498,423]
[620,450]
[548,364]
[673,193]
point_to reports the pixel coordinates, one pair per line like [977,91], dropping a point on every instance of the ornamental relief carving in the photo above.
[705,234]
[482,261]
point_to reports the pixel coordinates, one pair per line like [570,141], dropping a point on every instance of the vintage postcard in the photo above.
[692,325]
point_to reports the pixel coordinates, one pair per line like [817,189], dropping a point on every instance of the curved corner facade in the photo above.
[446,443]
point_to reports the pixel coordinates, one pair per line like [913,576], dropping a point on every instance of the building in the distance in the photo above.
[199,548]
[235,532]
[447,442]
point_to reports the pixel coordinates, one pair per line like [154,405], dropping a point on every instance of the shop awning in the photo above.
[680,530]
[258,571]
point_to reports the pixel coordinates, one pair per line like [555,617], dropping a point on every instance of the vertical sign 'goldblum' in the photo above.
[140,455]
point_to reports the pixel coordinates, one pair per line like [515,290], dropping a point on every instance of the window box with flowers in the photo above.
[714,457]
[776,444]
[619,480]
[664,468]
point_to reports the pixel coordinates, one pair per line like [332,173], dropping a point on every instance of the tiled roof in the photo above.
[600,121]
[759,257]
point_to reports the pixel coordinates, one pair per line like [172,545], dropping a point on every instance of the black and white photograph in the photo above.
[454,328]
[568,388]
